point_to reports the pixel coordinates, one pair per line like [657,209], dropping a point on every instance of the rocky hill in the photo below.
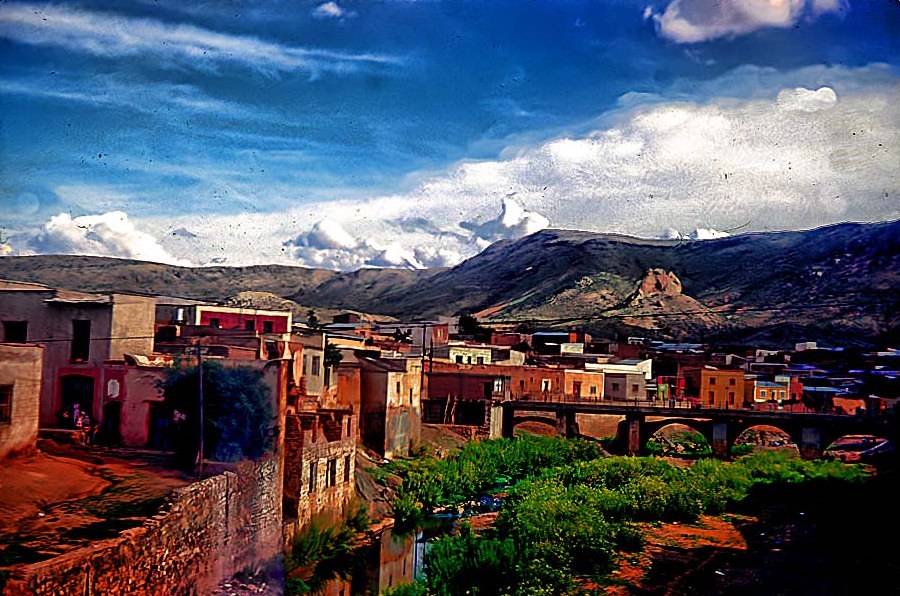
[839,282]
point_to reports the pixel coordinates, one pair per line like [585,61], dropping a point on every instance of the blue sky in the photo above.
[409,133]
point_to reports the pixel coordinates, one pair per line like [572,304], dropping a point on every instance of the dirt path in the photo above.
[56,502]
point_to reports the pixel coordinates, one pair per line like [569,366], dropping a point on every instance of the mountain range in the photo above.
[838,284]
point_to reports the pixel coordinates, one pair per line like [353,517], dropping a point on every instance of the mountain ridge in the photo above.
[830,282]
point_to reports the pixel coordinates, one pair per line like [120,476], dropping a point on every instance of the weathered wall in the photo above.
[319,469]
[20,367]
[133,319]
[209,531]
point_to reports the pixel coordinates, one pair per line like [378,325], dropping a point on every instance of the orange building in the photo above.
[722,388]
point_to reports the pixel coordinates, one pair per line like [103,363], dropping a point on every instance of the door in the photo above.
[77,394]
[576,390]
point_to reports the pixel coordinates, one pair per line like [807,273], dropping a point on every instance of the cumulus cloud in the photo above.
[692,21]
[697,234]
[330,10]
[109,234]
[806,100]
[409,242]
[513,222]
[799,156]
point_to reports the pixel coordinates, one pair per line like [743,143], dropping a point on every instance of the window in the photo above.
[731,397]
[410,396]
[480,360]
[711,396]
[267,327]
[346,469]
[214,322]
[459,359]
[615,386]
[15,332]
[398,390]
[521,384]
[593,390]
[781,394]
[763,393]
[250,325]
[498,385]
[6,393]
[712,380]
[635,387]
[81,340]
[316,363]
[545,384]
[732,381]
[313,470]
[332,472]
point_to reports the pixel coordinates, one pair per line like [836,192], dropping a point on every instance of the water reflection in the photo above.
[393,557]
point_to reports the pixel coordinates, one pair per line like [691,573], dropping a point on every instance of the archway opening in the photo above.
[678,440]
[859,449]
[762,437]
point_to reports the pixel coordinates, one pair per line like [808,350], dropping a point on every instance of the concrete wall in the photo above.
[209,531]
[20,367]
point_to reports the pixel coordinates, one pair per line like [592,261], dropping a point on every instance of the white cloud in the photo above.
[820,146]
[806,100]
[107,34]
[692,21]
[697,234]
[109,234]
[513,222]
[329,10]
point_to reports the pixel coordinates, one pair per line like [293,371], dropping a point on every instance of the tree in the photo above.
[333,354]
[312,321]
[238,414]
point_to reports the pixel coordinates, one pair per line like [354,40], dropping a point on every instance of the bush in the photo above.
[238,415]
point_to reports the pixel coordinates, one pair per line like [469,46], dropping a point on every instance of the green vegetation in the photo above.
[323,551]
[686,443]
[430,484]
[237,412]
[570,513]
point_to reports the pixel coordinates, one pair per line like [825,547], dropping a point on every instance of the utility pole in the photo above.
[200,386]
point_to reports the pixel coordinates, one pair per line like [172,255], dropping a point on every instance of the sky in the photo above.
[415,133]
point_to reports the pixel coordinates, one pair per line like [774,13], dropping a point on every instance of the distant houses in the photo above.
[102,355]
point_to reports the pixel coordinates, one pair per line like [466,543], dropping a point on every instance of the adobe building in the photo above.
[319,465]
[80,332]
[464,394]
[20,396]
[390,419]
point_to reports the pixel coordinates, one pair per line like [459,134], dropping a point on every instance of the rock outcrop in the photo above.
[657,283]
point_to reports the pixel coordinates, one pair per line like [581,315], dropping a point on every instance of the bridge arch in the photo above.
[549,419]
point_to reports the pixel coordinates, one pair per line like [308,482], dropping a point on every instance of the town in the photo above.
[90,369]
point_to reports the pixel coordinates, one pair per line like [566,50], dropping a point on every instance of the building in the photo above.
[464,394]
[722,388]
[80,332]
[236,317]
[390,419]
[20,396]
[319,464]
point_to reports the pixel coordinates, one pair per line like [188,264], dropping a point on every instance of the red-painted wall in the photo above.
[233,320]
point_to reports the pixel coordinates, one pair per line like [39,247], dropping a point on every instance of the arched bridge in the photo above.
[812,433]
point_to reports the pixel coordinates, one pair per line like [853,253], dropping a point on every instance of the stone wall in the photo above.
[208,531]
[319,468]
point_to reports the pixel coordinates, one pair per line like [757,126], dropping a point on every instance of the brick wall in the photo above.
[207,532]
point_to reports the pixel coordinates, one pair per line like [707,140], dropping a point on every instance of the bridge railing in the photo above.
[679,403]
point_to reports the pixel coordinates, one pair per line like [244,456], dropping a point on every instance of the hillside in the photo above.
[837,282]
